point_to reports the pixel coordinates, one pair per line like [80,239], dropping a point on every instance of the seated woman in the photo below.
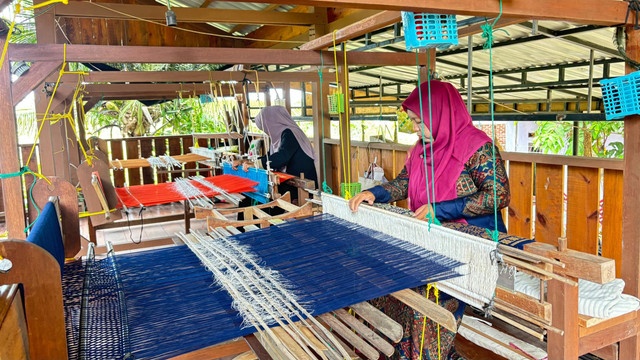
[463,176]
[290,150]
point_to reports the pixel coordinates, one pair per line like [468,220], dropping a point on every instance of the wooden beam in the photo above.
[596,12]
[359,28]
[9,163]
[241,26]
[189,76]
[630,348]
[32,78]
[206,3]
[296,33]
[180,55]
[477,28]
[77,9]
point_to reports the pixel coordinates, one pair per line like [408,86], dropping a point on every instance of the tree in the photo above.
[557,138]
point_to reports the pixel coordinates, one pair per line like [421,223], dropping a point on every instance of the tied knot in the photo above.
[326,188]
[488,31]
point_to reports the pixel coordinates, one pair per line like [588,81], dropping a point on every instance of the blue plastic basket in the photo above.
[429,30]
[621,96]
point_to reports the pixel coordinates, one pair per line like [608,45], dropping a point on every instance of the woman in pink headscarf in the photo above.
[462,172]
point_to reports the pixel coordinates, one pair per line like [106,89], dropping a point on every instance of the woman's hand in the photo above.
[247,165]
[237,163]
[355,201]
[421,213]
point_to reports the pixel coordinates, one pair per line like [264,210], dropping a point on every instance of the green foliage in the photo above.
[557,138]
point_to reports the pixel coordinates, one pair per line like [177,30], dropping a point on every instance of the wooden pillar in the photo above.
[9,161]
[564,301]
[286,94]
[432,64]
[630,348]
[320,125]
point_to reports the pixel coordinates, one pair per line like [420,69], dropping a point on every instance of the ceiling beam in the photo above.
[32,78]
[188,76]
[574,40]
[598,12]
[242,26]
[359,28]
[184,15]
[190,55]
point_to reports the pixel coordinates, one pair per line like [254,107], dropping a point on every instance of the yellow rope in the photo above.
[347,187]
[18,10]
[436,292]
[87,214]
[346,110]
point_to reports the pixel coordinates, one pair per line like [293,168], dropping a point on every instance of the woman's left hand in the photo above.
[421,213]
[247,165]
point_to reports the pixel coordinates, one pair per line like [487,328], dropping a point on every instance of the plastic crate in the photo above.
[354,188]
[429,30]
[336,103]
[621,96]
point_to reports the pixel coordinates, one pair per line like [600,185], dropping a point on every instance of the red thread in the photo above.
[164,193]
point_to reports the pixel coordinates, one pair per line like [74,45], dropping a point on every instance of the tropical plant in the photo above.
[557,138]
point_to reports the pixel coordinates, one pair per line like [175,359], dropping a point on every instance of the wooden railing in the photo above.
[592,203]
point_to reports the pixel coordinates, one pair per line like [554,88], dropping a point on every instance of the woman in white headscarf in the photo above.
[290,150]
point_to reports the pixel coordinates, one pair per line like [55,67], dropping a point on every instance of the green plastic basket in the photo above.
[336,103]
[354,188]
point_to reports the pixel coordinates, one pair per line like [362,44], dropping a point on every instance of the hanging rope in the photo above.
[436,293]
[325,187]
[347,187]
[487,33]
[431,215]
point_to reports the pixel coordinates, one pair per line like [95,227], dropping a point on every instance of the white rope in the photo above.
[230,197]
[156,163]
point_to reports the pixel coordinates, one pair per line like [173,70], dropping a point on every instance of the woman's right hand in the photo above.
[355,201]
[237,163]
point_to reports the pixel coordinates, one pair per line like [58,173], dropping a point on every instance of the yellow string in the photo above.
[87,214]
[347,187]
[436,292]
[18,10]
[346,110]
[424,324]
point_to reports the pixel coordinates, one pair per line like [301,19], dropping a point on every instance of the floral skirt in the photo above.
[412,321]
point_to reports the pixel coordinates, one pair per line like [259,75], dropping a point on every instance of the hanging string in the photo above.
[347,187]
[346,114]
[436,293]
[17,11]
[487,33]
[431,216]
[325,187]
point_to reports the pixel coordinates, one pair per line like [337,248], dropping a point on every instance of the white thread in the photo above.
[478,284]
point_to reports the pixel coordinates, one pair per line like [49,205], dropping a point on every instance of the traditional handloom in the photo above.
[341,265]
[295,251]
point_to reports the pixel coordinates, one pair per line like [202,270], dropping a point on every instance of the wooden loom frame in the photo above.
[593,12]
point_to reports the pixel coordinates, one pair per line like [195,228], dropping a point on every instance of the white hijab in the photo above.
[273,120]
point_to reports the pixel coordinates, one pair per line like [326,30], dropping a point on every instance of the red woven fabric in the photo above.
[156,194]
[283,177]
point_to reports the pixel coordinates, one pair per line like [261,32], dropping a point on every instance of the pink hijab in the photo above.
[273,120]
[455,140]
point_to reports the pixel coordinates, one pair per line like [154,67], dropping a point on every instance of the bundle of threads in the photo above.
[194,196]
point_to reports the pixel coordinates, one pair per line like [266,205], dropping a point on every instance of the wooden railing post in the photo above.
[630,348]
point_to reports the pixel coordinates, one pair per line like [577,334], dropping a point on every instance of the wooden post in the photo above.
[564,301]
[630,348]
[321,125]
[432,65]
[9,162]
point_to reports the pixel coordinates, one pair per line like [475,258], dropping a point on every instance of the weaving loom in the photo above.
[331,264]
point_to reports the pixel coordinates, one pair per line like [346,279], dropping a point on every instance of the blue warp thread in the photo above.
[258,175]
[173,306]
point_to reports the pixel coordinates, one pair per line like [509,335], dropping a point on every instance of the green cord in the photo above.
[487,33]
[26,170]
[431,218]
[325,187]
